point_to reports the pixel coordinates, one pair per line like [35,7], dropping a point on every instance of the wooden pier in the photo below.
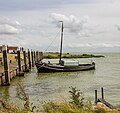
[103,101]
[24,62]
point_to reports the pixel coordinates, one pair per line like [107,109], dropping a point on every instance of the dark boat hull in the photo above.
[44,67]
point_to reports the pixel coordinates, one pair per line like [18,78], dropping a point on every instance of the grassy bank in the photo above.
[12,57]
[53,55]
[76,104]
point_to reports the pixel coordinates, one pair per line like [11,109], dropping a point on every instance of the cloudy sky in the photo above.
[89,25]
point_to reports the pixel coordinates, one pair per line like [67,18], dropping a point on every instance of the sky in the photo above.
[89,25]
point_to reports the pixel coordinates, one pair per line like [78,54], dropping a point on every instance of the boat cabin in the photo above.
[71,62]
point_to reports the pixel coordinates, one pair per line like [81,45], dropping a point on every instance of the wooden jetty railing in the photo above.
[102,100]
[29,59]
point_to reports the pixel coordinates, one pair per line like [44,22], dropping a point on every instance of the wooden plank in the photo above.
[106,103]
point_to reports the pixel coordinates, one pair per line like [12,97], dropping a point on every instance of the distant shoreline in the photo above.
[54,55]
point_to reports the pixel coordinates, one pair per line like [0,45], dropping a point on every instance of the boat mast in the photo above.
[61,41]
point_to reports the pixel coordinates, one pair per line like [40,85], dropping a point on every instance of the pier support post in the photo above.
[95,96]
[24,56]
[102,92]
[41,55]
[5,60]
[37,56]
[32,58]
[19,62]
[29,59]
[19,65]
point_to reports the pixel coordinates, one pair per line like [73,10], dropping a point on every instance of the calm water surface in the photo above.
[55,86]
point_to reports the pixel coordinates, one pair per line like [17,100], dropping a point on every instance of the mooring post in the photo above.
[36,56]
[29,61]
[20,73]
[95,96]
[24,56]
[32,58]
[19,62]
[5,60]
[102,92]
[41,55]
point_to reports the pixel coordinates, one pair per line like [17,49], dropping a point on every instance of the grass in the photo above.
[12,57]
[53,55]
[52,107]
[62,108]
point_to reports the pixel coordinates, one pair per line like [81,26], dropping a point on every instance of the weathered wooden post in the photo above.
[5,60]
[32,58]
[37,56]
[95,96]
[102,93]
[40,56]
[24,56]
[19,64]
[29,61]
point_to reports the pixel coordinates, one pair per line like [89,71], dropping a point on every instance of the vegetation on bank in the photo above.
[76,104]
[12,58]
[53,55]
[6,107]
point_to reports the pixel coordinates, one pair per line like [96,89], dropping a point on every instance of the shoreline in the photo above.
[54,55]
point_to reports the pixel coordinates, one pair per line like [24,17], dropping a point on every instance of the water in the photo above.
[55,86]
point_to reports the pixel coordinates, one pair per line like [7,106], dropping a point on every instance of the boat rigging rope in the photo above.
[52,41]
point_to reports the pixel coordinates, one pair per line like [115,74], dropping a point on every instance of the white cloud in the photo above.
[10,32]
[17,23]
[79,26]
[8,29]
[8,26]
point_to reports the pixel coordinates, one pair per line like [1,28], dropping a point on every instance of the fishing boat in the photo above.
[62,66]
